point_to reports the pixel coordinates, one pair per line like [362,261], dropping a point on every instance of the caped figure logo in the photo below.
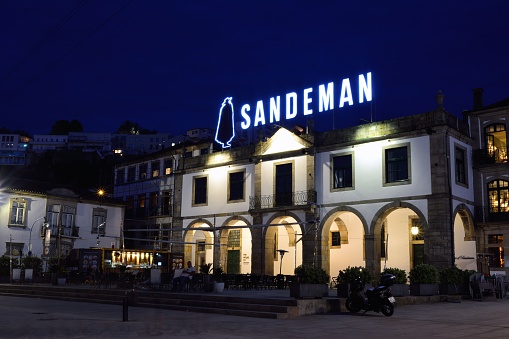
[225,124]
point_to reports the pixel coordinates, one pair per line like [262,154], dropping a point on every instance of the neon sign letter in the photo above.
[225,126]
[307,101]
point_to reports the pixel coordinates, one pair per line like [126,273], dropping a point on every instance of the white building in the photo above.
[50,221]
[386,194]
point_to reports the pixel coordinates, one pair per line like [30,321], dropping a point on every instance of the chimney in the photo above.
[478,98]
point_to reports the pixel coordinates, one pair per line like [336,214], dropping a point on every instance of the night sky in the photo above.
[168,65]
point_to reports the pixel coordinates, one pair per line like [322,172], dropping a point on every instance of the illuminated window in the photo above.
[234,239]
[496,142]
[236,186]
[460,164]
[140,211]
[495,239]
[18,212]
[342,173]
[396,164]
[200,191]
[168,166]
[155,168]
[498,193]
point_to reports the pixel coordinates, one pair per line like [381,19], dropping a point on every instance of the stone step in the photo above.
[227,305]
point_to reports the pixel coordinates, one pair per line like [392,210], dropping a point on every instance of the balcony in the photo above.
[484,215]
[486,157]
[282,200]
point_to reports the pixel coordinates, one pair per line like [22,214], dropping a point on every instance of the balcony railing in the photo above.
[66,231]
[485,157]
[282,200]
[484,214]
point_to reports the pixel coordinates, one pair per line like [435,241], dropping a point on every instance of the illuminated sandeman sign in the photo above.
[320,99]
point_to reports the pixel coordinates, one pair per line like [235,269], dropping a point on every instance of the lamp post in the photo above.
[30,236]
[280,279]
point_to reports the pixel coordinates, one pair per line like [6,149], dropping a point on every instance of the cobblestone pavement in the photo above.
[43,318]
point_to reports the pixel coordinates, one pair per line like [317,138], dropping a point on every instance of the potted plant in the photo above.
[454,280]
[400,288]
[311,282]
[350,273]
[206,270]
[218,278]
[424,280]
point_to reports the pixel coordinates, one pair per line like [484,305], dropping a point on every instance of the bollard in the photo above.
[125,310]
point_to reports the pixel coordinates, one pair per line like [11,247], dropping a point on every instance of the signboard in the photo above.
[308,101]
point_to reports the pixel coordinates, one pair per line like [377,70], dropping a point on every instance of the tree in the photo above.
[129,127]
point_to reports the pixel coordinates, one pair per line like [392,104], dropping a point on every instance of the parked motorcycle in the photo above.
[378,299]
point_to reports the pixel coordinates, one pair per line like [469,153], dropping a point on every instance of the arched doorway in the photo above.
[283,236]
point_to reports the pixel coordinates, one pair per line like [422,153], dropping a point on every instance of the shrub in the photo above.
[33,262]
[309,274]
[400,274]
[451,275]
[424,274]
[351,273]
[206,268]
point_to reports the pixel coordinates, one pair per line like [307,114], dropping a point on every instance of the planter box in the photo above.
[301,291]
[451,289]
[423,289]
[218,287]
[344,289]
[400,290]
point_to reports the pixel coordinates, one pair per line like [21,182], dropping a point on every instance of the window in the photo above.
[498,193]
[188,154]
[52,216]
[342,173]
[120,176]
[143,171]
[129,206]
[236,186]
[200,191]
[154,208]
[131,174]
[99,221]
[141,205]
[168,166]
[335,238]
[234,239]
[396,164]
[204,151]
[166,203]
[495,239]
[460,165]
[284,185]
[155,168]
[18,212]
[14,248]
[68,214]
[496,142]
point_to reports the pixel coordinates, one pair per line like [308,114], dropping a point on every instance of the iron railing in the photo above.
[485,214]
[282,200]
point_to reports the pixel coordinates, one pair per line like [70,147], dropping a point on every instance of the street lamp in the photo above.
[282,254]
[45,224]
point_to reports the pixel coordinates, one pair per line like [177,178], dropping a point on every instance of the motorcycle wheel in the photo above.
[351,306]
[387,309]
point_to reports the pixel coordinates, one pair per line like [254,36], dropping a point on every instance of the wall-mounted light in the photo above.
[414,230]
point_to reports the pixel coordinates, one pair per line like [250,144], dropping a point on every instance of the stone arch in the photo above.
[224,237]
[385,210]
[373,251]
[468,221]
[188,237]
[270,234]
[334,216]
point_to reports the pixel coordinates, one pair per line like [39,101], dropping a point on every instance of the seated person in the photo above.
[185,277]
